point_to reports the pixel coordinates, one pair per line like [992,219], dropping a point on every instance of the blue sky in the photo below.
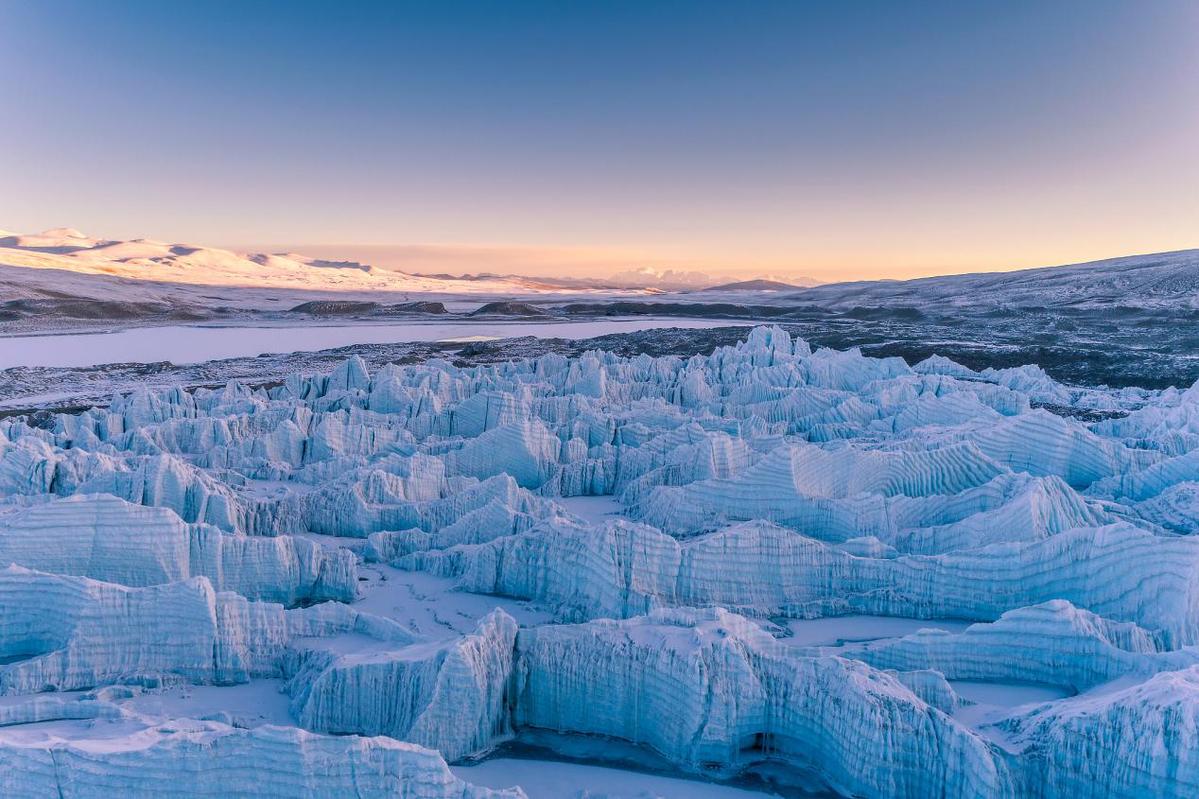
[830,139]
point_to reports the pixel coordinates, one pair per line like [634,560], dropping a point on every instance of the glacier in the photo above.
[342,582]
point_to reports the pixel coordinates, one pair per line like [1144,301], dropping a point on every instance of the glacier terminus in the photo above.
[771,568]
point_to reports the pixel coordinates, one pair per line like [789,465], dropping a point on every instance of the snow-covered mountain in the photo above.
[1159,279]
[156,262]
[80,265]
[64,263]
[665,279]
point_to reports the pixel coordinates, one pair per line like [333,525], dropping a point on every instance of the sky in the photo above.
[825,139]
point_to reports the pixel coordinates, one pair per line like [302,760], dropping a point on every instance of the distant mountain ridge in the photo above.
[1167,278]
[150,260]
[666,280]
[63,263]
[760,284]
[69,250]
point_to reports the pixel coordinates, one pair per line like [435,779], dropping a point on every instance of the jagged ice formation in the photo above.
[776,527]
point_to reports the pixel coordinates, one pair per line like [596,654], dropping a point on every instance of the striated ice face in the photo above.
[837,573]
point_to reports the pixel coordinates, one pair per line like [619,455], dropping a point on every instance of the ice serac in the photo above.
[112,540]
[826,490]
[618,569]
[190,759]
[767,570]
[1136,741]
[1053,643]
[1008,509]
[68,633]
[449,696]
[525,450]
[63,633]
[709,690]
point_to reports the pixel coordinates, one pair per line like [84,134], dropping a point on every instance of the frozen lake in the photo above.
[182,344]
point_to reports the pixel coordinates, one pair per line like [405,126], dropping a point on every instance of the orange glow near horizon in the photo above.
[824,140]
[875,263]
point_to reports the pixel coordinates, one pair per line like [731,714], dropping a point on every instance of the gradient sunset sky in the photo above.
[835,140]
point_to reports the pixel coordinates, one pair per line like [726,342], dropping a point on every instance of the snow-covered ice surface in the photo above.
[836,630]
[766,569]
[548,779]
[63,262]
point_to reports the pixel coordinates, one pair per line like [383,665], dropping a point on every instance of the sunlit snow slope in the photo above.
[52,272]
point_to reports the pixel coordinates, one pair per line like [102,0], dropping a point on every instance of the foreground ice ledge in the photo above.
[709,690]
[190,758]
